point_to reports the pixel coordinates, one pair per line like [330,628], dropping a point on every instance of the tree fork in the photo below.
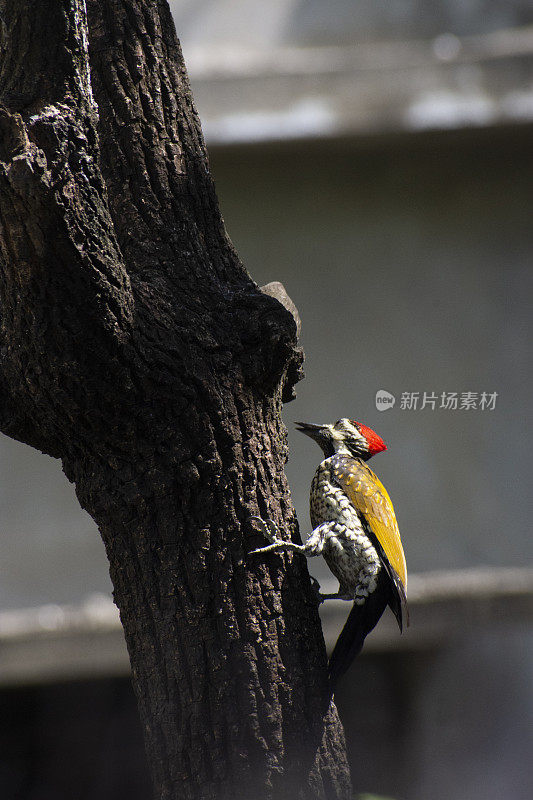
[135,347]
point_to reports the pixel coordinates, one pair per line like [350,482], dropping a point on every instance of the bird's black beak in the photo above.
[321,434]
[310,429]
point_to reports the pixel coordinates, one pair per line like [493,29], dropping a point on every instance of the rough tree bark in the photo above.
[136,348]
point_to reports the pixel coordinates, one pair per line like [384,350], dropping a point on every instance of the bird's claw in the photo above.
[269,529]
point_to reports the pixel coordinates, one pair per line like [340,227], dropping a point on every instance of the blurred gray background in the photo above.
[377,159]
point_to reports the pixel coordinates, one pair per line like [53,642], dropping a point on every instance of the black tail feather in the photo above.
[361,620]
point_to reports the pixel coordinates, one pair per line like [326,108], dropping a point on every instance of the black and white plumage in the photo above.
[355,529]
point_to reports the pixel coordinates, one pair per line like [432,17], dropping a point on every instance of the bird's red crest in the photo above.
[375,442]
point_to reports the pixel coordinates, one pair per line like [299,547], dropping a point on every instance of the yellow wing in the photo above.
[364,489]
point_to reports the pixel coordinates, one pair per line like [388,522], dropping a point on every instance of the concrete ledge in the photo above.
[444,606]
[54,643]
[445,83]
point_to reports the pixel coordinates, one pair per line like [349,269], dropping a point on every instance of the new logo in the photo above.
[384,400]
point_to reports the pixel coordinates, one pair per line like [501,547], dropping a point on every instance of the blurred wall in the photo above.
[255,24]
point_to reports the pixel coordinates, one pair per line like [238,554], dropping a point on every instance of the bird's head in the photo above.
[345,437]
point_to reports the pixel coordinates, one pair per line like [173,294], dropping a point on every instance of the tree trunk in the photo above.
[135,347]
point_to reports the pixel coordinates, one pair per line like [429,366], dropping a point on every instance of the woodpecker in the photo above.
[355,529]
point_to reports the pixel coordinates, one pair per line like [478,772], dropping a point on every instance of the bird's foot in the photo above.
[270,530]
[335,596]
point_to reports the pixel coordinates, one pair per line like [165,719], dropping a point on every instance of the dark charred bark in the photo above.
[136,348]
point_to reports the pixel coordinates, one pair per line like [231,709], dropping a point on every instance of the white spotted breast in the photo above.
[348,550]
